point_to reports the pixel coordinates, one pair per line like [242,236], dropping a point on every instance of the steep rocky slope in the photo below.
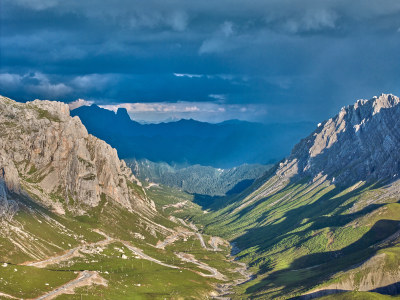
[325,209]
[54,154]
[360,143]
[74,219]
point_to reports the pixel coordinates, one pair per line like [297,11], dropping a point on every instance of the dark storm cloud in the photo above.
[298,59]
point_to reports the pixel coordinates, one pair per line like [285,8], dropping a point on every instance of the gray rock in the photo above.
[360,143]
[51,153]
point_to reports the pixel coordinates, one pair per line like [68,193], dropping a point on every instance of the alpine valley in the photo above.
[79,223]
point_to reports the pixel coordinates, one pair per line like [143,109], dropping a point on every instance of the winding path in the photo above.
[74,252]
[7,296]
[84,278]
[213,272]
[140,253]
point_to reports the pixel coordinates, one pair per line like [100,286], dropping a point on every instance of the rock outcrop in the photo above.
[360,143]
[51,153]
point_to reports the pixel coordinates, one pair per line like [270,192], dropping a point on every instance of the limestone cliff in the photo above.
[360,143]
[52,155]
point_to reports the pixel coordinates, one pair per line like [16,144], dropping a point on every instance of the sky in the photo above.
[256,60]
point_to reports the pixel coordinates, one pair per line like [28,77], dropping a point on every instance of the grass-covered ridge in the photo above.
[306,234]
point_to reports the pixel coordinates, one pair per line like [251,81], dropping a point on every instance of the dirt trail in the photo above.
[190,258]
[69,254]
[7,296]
[140,253]
[84,278]
[216,241]
[203,244]
[108,240]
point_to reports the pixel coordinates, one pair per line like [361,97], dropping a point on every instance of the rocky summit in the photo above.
[359,143]
[51,153]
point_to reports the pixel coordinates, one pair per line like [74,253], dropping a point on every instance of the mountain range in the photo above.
[323,222]
[189,142]
[197,179]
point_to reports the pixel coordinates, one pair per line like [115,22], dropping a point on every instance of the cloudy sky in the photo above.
[261,60]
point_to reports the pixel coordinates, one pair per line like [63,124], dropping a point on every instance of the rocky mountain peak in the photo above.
[53,157]
[122,113]
[359,143]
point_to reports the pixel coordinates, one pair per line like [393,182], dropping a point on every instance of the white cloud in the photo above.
[227,29]
[188,75]
[34,83]
[202,111]
[179,20]
[47,88]
[10,80]
[78,103]
[176,20]
[219,97]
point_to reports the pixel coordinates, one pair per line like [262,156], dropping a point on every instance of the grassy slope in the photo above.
[51,234]
[302,235]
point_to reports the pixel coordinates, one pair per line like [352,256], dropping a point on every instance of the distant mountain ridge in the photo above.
[198,179]
[223,145]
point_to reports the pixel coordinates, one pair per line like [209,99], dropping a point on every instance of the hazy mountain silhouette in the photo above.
[225,144]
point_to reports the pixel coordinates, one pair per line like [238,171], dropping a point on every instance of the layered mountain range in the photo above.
[189,142]
[75,219]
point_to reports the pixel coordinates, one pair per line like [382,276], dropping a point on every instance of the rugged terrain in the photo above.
[326,219]
[196,179]
[324,222]
[75,220]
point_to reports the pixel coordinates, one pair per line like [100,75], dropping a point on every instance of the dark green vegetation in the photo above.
[199,180]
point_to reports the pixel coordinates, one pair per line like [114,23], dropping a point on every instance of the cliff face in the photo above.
[52,155]
[360,143]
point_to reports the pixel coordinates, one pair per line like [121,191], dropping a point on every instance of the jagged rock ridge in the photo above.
[55,158]
[360,143]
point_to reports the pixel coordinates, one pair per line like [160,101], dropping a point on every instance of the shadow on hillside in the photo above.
[316,213]
[313,269]
[319,294]
[237,193]
[391,289]
[214,203]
